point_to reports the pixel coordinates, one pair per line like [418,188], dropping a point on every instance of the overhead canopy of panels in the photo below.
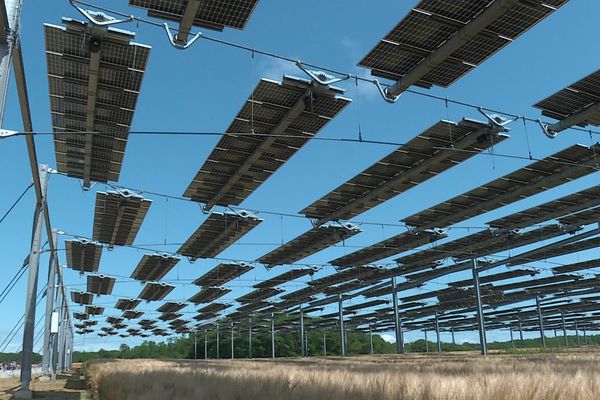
[94,77]
[274,123]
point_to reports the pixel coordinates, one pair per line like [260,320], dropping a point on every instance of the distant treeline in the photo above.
[10,357]
[288,345]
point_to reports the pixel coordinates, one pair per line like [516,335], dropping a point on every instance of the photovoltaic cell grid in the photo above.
[288,276]
[510,274]
[118,217]
[218,232]
[127,304]
[433,22]
[82,298]
[222,274]
[152,267]
[171,307]
[562,167]
[295,110]
[310,242]
[259,294]
[574,99]
[434,151]
[559,251]
[208,294]
[94,79]
[578,266]
[153,291]
[129,314]
[212,14]
[100,284]
[83,255]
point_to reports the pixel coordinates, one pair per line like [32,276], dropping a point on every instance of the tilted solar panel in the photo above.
[217,232]
[118,217]
[434,151]
[222,274]
[100,284]
[441,40]
[152,267]
[127,304]
[83,255]
[396,244]
[574,99]
[564,166]
[551,210]
[210,14]
[288,276]
[94,78]
[366,273]
[208,294]
[274,123]
[171,307]
[129,314]
[510,274]
[153,291]
[82,298]
[578,266]
[586,217]
[259,294]
[94,310]
[214,308]
[570,248]
[310,242]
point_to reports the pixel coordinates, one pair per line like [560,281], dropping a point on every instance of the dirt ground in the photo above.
[67,386]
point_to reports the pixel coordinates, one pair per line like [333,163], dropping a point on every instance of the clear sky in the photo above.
[202,89]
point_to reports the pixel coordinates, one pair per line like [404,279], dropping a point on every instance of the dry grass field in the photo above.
[550,376]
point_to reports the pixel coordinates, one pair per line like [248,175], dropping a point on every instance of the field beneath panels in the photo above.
[531,376]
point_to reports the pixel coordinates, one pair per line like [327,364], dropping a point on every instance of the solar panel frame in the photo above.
[154,291]
[217,233]
[510,274]
[100,284]
[285,277]
[127,304]
[82,298]
[310,242]
[83,255]
[118,217]
[562,167]
[130,314]
[223,273]
[294,109]
[94,310]
[577,266]
[111,77]
[426,155]
[259,294]
[208,294]
[153,267]
[570,248]
[171,307]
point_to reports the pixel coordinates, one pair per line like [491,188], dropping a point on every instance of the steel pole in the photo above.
[520,331]
[540,320]
[437,333]
[206,344]
[32,284]
[585,336]
[577,334]
[564,329]
[195,345]
[232,351]
[371,340]
[426,341]
[218,350]
[480,319]
[341,323]
[397,326]
[273,336]
[249,337]
[50,289]
[452,333]
[324,344]
[302,349]
[9,34]
[55,337]
[512,339]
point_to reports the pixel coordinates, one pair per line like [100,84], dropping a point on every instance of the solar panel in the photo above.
[586,217]
[366,273]
[100,284]
[83,255]
[559,251]
[441,40]
[94,78]
[302,294]
[389,247]
[118,217]
[538,282]
[171,307]
[114,320]
[253,306]
[213,308]
[259,294]
[510,274]
[310,242]
[288,276]
[218,232]
[152,267]
[434,151]
[82,298]
[127,304]
[129,314]
[80,316]
[222,274]
[575,99]
[153,291]
[169,316]
[94,310]
[386,290]
[210,14]
[577,266]
[208,294]
[551,210]
[433,271]
[284,117]
[564,166]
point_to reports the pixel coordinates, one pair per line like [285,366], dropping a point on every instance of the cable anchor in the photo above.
[320,76]
[385,93]
[178,44]
[99,18]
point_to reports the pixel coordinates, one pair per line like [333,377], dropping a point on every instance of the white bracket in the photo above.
[320,76]
[496,119]
[99,18]
[177,44]
[385,94]
[5,133]
[546,129]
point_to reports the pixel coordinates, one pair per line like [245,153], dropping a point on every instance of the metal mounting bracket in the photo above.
[177,44]
[320,76]
[546,129]
[496,119]
[385,94]
[99,18]
[5,133]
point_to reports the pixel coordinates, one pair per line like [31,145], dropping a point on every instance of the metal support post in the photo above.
[426,341]
[55,337]
[370,340]
[452,333]
[480,319]
[249,337]
[324,344]
[520,331]
[564,329]
[232,351]
[31,299]
[302,348]
[341,323]
[397,323]
[206,344]
[273,336]
[8,35]
[195,345]
[437,333]
[218,350]
[585,336]
[50,290]
[512,339]
[306,352]
[540,320]
[577,334]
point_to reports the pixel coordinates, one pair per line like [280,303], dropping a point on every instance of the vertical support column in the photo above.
[50,290]
[585,336]
[324,344]
[480,319]
[540,320]
[452,333]
[273,336]
[426,341]
[564,329]
[62,332]
[232,344]
[512,339]
[13,11]
[341,323]
[306,353]
[55,337]
[218,350]
[32,284]
[577,334]
[206,344]
[437,333]
[520,331]
[249,337]
[302,348]
[371,339]
[397,323]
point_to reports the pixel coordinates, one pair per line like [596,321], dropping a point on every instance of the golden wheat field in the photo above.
[572,376]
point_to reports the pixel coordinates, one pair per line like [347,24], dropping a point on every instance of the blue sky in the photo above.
[202,89]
